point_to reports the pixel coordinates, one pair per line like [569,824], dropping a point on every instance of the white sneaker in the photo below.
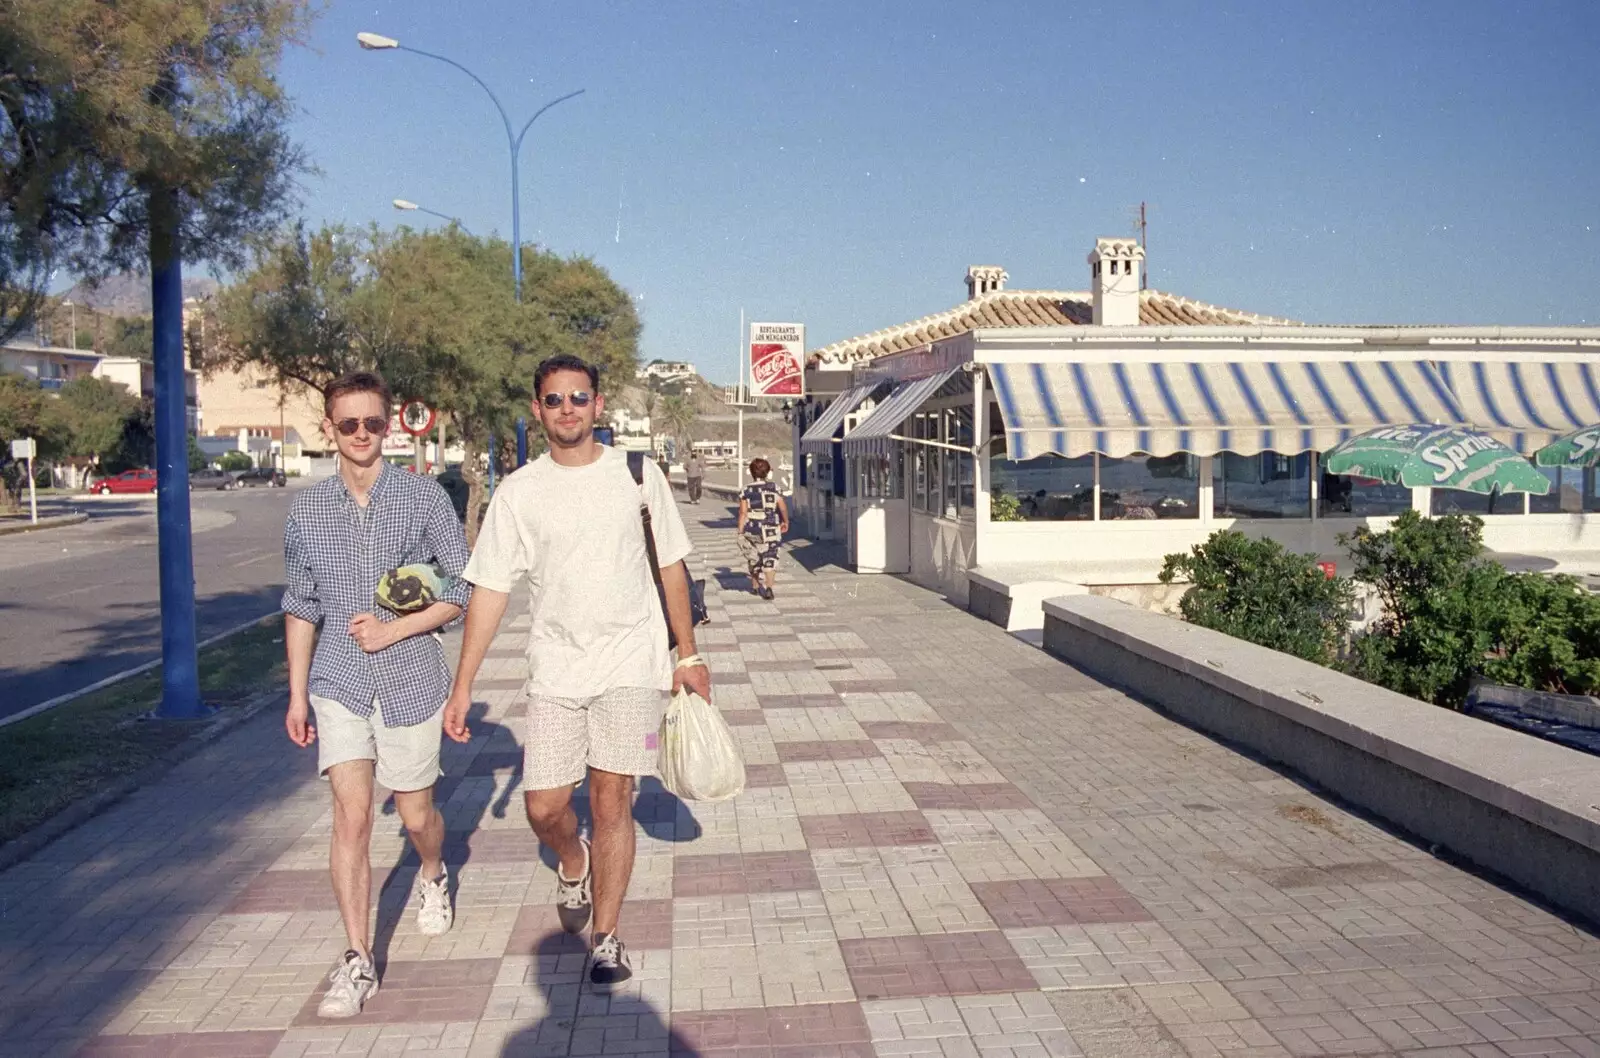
[351,984]
[434,913]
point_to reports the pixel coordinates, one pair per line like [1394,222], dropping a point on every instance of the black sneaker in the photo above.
[608,963]
[574,902]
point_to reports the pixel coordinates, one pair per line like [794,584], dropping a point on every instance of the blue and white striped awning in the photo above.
[818,437]
[1072,409]
[1527,403]
[874,434]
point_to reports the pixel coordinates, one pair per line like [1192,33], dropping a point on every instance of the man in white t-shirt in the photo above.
[598,662]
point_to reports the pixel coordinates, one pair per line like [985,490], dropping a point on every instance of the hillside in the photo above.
[129,295]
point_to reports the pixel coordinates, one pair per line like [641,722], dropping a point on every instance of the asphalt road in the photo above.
[80,603]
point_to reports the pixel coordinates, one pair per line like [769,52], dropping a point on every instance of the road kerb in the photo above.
[117,677]
[56,522]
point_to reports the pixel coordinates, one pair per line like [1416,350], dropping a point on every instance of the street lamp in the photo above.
[407,206]
[378,42]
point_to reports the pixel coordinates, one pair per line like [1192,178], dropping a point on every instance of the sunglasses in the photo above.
[374,425]
[580,399]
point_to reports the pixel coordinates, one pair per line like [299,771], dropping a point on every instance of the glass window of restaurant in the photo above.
[1573,490]
[1266,485]
[1343,496]
[1145,488]
[1454,501]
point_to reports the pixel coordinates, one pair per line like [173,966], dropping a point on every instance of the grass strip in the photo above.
[50,761]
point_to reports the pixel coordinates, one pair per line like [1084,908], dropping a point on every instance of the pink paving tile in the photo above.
[499,685]
[1059,902]
[184,1045]
[844,749]
[645,924]
[947,964]
[863,829]
[733,873]
[744,717]
[820,1030]
[974,796]
[420,992]
[920,732]
[758,776]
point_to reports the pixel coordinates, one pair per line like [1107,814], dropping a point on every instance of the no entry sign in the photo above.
[416,418]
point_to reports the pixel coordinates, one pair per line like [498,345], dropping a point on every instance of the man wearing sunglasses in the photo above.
[375,680]
[598,662]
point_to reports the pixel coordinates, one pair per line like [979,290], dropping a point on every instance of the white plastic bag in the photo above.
[699,759]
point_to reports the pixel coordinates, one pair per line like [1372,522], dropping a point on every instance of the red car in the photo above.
[127,481]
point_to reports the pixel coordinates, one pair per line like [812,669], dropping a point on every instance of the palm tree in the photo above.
[678,414]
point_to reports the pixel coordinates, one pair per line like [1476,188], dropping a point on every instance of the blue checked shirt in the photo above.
[334,554]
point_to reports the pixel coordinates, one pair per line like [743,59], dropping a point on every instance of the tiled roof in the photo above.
[1024,308]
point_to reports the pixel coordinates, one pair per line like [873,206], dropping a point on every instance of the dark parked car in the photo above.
[268,477]
[141,480]
[207,478]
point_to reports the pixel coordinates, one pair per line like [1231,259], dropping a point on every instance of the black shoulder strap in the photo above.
[636,468]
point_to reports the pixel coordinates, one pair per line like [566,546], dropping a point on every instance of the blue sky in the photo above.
[841,163]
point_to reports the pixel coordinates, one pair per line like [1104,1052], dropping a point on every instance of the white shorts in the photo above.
[615,731]
[407,757]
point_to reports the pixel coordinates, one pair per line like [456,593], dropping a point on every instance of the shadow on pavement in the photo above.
[581,1020]
[136,884]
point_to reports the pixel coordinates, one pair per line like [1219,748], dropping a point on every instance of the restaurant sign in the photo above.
[777,359]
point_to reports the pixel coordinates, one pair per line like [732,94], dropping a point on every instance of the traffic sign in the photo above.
[416,418]
[24,449]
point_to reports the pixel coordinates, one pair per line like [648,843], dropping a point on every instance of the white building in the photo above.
[1027,444]
[54,366]
[667,370]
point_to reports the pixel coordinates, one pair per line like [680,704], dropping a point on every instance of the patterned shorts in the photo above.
[615,731]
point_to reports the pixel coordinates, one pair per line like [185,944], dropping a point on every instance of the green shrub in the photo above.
[1450,614]
[235,461]
[1258,591]
[1546,632]
[1004,507]
[1434,589]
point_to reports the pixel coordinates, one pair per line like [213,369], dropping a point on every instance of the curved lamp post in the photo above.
[377,42]
[406,206]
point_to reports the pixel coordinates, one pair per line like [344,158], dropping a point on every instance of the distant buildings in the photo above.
[667,371]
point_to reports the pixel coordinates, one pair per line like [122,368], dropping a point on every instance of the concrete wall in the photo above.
[1507,801]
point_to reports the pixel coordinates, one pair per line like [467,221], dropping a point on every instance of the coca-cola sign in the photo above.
[777,359]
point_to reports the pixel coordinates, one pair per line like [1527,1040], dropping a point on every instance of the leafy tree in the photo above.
[296,313]
[235,461]
[131,336]
[145,116]
[1436,593]
[197,457]
[1260,592]
[92,414]
[22,415]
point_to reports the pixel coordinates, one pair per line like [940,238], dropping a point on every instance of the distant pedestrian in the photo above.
[694,472]
[376,681]
[665,467]
[570,524]
[763,521]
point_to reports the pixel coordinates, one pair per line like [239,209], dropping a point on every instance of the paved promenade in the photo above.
[952,845]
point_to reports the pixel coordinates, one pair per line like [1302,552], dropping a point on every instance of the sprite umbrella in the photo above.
[1580,448]
[1441,457]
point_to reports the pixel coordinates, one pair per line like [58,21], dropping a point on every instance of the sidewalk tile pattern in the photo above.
[950,844]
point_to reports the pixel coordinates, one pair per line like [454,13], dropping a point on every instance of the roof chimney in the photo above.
[1114,266]
[985,279]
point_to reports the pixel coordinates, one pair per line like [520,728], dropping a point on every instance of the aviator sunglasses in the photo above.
[580,399]
[374,425]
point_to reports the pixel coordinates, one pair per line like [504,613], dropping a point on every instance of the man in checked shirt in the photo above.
[376,681]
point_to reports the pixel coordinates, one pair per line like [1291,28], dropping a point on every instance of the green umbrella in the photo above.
[1440,457]
[1580,448]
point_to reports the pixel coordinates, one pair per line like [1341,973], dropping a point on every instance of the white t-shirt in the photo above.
[596,620]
